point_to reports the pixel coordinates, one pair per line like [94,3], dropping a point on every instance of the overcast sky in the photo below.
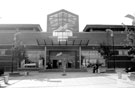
[89,11]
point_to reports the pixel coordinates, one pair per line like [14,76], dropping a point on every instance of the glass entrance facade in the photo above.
[90,57]
[57,58]
[32,59]
[51,57]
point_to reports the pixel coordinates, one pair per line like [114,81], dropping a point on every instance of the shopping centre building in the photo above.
[62,44]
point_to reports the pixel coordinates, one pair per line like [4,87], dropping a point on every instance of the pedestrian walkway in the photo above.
[71,80]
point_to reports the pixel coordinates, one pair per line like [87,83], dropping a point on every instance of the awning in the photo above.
[78,39]
[71,41]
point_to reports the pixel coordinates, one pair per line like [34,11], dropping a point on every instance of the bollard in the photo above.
[6,79]
[98,70]
[119,75]
[26,73]
[64,71]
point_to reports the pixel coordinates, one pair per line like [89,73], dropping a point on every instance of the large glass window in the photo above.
[123,52]
[57,59]
[33,59]
[60,19]
[2,51]
[62,36]
[91,57]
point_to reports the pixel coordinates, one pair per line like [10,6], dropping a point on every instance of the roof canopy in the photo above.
[78,39]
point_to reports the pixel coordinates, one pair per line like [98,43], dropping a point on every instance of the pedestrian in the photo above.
[97,68]
[94,68]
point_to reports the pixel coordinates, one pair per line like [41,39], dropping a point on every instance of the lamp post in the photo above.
[63,33]
[112,36]
[63,62]
[64,67]
[13,50]
[12,59]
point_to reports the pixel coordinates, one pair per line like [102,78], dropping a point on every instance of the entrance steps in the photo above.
[28,69]
[61,70]
[109,70]
[51,70]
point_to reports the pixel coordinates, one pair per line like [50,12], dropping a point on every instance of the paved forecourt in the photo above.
[71,80]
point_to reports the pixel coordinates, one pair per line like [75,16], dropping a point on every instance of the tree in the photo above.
[105,51]
[18,54]
[131,37]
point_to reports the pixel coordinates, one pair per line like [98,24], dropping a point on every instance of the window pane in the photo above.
[33,59]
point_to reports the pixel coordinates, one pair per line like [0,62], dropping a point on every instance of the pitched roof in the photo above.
[11,26]
[62,10]
[100,27]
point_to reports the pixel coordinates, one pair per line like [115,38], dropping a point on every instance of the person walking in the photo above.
[94,68]
[97,67]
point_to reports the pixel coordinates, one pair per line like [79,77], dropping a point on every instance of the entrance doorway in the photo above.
[55,64]
[58,58]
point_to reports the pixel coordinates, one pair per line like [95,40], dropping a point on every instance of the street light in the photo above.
[64,67]
[12,59]
[132,18]
[63,62]
[13,50]
[112,36]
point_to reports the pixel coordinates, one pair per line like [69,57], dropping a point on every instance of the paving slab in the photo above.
[71,80]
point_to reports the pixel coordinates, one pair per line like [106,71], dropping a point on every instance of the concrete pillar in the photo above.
[80,53]
[45,58]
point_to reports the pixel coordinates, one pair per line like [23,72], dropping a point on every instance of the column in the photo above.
[80,53]
[45,58]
